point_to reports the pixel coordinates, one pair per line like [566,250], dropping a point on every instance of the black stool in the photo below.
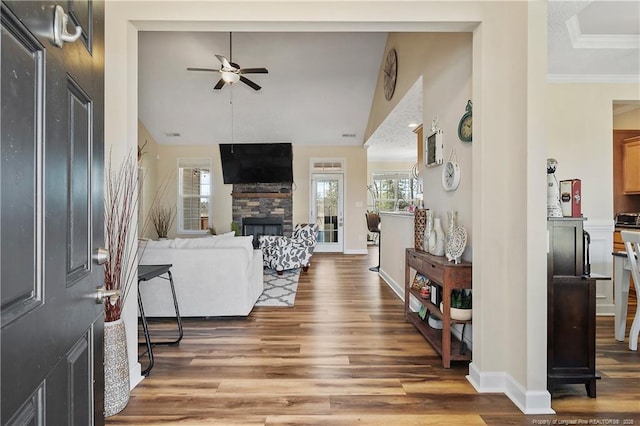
[146,273]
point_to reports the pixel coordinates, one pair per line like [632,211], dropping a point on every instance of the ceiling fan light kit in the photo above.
[230,77]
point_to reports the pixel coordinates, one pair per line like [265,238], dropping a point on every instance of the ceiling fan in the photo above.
[230,72]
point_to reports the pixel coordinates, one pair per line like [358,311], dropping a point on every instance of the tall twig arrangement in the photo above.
[120,208]
[162,218]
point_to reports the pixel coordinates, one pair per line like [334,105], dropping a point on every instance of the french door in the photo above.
[327,200]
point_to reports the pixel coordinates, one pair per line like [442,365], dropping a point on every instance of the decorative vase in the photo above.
[428,231]
[440,240]
[452,224]
[419,225]
[116,368]
[433,238]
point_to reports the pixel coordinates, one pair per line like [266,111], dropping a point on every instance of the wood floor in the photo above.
[344,355]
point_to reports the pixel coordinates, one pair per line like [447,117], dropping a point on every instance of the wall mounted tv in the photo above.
[257,162]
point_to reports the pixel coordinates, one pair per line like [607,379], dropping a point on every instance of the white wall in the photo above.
[147,165]
[580,125]
[629,120]
[509,336]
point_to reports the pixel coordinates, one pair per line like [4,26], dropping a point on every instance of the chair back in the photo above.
[631,241]
[373,221]
[305,231]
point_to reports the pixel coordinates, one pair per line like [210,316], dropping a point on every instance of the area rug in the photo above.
[279,290]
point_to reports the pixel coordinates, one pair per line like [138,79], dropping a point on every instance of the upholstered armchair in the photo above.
[281,253]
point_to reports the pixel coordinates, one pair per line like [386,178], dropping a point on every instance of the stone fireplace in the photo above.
[268,205]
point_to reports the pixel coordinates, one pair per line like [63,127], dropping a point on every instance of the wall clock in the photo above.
[465,128]
[390,74]
[450,176]
[433,147]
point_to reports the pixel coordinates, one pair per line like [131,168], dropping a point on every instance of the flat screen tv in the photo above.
[257,162]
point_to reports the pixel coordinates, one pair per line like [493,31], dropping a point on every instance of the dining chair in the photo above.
[631,241]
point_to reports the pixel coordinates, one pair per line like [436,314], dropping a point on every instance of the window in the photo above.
[394,190]
[194,195]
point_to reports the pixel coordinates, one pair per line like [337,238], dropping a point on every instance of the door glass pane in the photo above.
[327,210]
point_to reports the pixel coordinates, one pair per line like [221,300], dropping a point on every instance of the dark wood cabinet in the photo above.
[571,308]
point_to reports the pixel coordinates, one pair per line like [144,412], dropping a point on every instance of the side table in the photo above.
[146,273]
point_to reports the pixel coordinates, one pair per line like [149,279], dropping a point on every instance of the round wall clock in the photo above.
[390,74]
[450,176]
[465,128]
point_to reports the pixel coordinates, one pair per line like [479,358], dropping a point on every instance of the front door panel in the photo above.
[51,211]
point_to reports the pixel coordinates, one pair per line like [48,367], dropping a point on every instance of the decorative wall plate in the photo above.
[457,244]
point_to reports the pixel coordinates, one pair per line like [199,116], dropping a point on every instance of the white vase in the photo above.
[440,239]
[116,368]
[428,231]
[452,224]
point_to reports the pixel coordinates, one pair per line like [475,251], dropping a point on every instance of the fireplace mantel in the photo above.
[261,194]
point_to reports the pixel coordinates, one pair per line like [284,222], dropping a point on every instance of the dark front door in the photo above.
[51,209]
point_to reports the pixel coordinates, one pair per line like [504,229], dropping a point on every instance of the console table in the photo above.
[146,273]
[449,276]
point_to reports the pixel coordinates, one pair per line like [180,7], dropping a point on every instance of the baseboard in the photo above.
[135,375]
[607,310]
[397,288]
[355,251]
[529,402]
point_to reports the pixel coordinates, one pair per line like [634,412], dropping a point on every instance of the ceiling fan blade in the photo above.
[219,84]
[225,63]
[202,69]
[250,83]
[253,71]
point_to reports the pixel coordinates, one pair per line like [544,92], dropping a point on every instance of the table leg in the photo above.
[621,296]
[147,338]
[178,318]
[635,330]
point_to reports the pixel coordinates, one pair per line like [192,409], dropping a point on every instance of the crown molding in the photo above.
[594,78]
[600,41]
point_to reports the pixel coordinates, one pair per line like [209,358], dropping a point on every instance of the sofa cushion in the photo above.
[156,244]
[215,241]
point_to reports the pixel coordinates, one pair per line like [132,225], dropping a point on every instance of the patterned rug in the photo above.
[279,290]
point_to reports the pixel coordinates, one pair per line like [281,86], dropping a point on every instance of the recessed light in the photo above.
[413,125]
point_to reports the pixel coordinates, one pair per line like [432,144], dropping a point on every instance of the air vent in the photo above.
[348,135]
[327,166]
[172,134]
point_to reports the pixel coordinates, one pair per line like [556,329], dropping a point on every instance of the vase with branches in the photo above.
[162,218]
[121,202]
[120,271]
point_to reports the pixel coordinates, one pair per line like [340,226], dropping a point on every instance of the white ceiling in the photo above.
[320,85]
[318,90]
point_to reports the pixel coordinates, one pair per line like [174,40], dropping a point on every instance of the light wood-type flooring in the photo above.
[344,355]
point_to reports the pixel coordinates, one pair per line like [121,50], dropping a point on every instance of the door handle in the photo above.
[60,33]
[101,256]
[102,294]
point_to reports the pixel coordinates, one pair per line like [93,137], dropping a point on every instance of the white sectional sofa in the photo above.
[213,276]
